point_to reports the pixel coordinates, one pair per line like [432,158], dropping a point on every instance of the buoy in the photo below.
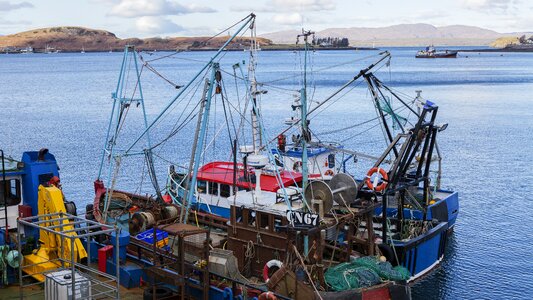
[267,296]
[167,198]
[382,259]
[13,259]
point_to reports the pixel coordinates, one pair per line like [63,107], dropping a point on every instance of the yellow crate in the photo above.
[162,243]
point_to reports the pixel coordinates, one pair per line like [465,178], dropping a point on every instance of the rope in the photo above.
[306,272]
[249,254]
[390,234]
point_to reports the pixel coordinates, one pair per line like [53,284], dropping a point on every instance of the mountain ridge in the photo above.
[418,34]
[74,38]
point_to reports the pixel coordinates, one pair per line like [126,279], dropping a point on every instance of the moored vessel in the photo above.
[431,52]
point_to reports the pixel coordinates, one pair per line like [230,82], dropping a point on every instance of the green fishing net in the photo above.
[347,276]
[383,269]
[363,272]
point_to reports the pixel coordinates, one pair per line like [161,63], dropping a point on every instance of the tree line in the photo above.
[524,40]
[331,42]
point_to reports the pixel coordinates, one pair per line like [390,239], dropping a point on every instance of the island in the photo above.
[80,39]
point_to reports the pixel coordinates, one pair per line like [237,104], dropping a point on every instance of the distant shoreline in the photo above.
[497,50]
[277,48]
[274,48]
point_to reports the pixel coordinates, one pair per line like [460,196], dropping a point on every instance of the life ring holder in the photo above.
[269,265]
[384,176]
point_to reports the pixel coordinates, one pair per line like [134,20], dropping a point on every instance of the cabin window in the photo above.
[277,223]
[331,161]
[278,160]
[202,186]
[225,190]
[240,188]
[213,188]
[12,186]
[264,222]
[45,178]
[251,218]
[238,214]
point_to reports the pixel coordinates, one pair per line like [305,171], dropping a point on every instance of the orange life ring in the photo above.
[380,187]
[267,296]
[329,173]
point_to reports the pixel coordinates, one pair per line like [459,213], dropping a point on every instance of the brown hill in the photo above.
[77,38]
[504,42]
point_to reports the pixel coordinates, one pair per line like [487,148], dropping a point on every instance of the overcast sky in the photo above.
[141,18]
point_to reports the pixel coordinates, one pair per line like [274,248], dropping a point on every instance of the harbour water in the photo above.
[62,102]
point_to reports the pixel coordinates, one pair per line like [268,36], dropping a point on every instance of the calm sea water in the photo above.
[62,102]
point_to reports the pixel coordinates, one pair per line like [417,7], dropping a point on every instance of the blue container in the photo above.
[148,236]
[123,242]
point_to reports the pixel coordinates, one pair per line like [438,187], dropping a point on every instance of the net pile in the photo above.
[363,272]
[384,269]
[348,276]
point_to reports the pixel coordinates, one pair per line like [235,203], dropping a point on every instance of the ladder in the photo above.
[3,209]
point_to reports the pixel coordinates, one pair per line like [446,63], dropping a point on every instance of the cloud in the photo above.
[156,25]
[18,22]
[304,5]
[288,19]
[141,8]
[7,6]
[282,6]
[489,5]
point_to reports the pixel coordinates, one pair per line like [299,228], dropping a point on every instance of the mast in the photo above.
[195,145]
[256,132]
[121,104]
[203,119]
[361,73]
[199,142]
[306,136]
[250,18]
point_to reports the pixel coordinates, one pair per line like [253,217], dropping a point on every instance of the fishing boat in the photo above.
[267,223]
[431,52]
[264,198]
[285,229]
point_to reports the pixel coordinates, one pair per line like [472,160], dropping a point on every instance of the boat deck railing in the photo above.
[65,229]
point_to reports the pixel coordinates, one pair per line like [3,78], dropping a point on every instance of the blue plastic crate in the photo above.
[148,236]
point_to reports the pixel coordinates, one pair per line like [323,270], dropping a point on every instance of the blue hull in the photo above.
[423,253]
[444,210]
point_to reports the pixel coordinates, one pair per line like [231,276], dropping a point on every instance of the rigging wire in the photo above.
[321,69]
[165,56]
[157,73]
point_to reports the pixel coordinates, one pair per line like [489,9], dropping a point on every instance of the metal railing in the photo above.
[101,285]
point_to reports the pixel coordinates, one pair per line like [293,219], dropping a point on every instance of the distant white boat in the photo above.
[27,50]
[82,49]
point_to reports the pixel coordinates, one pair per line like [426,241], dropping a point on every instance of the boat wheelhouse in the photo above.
[18,182]
[220,184]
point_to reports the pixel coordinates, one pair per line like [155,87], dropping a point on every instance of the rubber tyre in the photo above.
[387,251]
[160,293]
